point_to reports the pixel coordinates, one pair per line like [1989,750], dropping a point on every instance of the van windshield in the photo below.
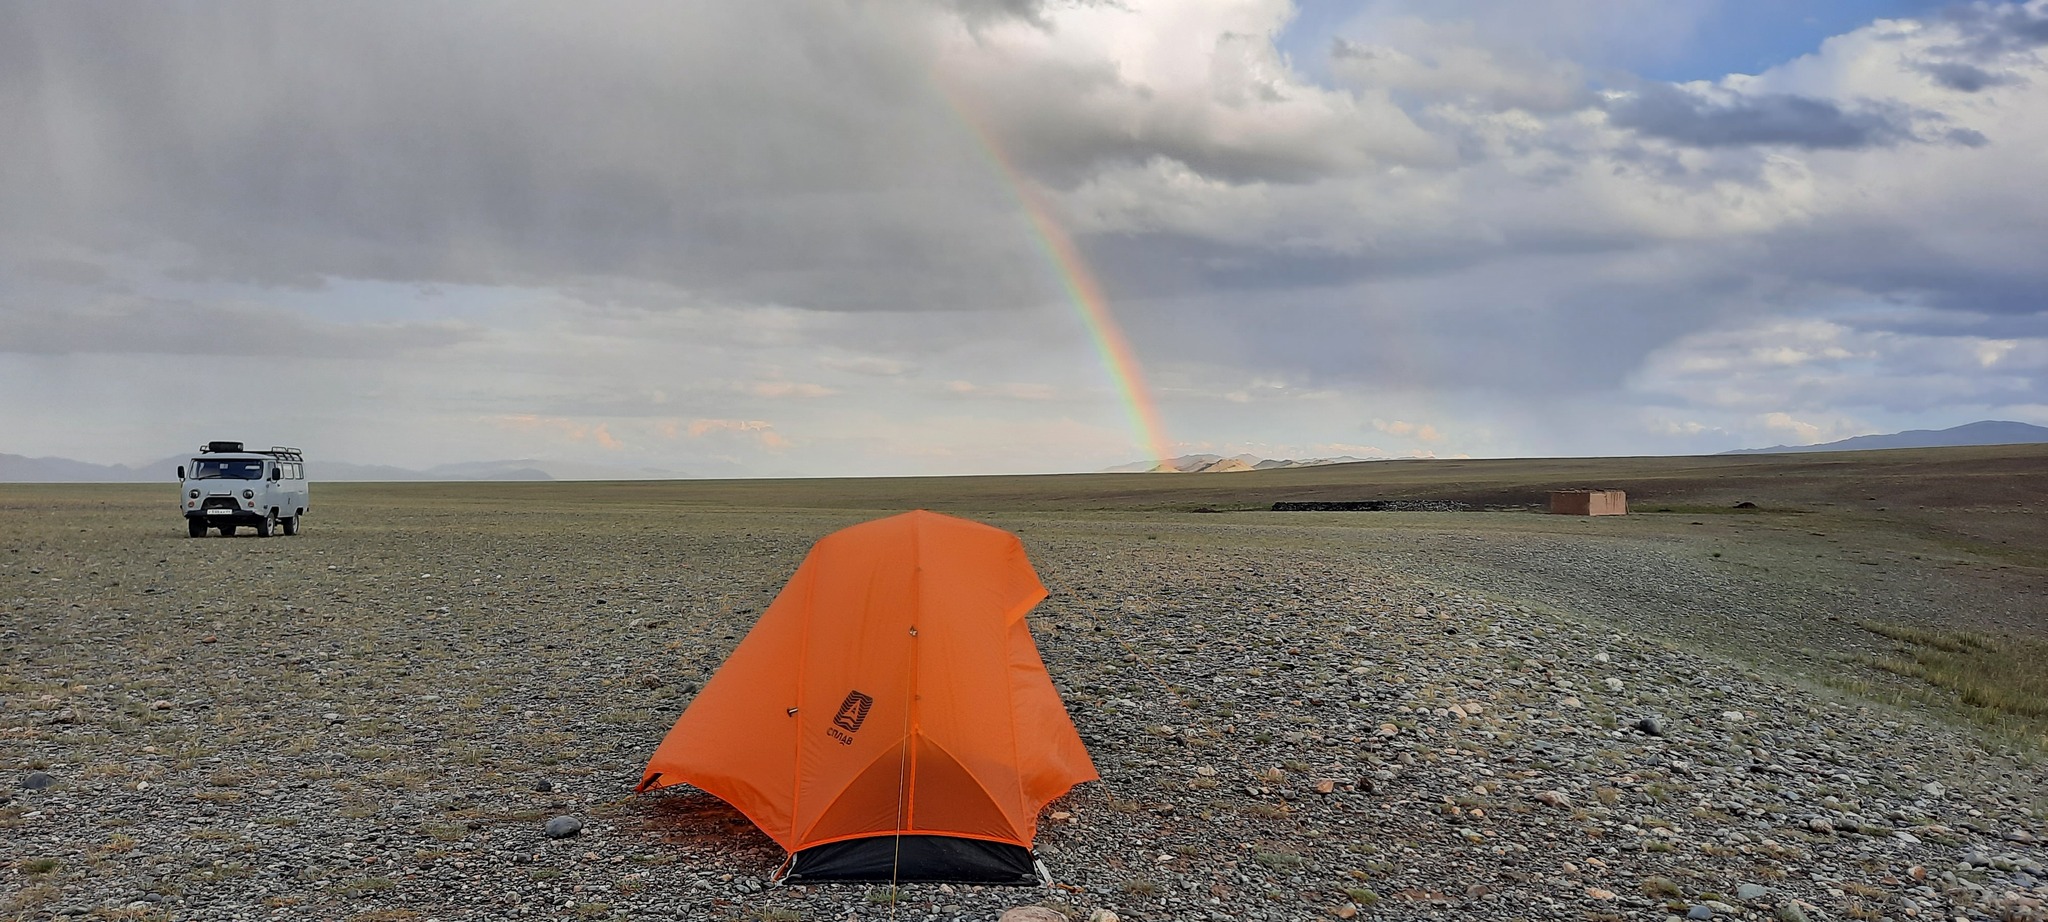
[203,469]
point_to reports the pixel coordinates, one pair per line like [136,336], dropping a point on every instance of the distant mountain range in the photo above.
[1217,464]
[19,469]
[1983,432]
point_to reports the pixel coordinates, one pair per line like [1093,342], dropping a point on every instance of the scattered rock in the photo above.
[1699,912]
[1613,684]
[562,827]
[1820,824]
[37,781]
[1102,915]
[1555,798]
[1790,912]
[1749,893]
[1651,725]
[544,786]
[1031,914]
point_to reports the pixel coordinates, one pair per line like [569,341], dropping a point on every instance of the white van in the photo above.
[226,487]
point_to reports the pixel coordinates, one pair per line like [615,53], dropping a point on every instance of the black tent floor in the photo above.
[914,859]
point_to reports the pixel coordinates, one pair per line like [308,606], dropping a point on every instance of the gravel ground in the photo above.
[375,721]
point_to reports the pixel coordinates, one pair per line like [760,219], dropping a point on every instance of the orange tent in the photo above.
[888,718]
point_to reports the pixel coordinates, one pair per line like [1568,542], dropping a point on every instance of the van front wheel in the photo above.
[267,524]
[195,528]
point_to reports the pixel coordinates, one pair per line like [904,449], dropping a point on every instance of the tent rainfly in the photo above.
[889,718]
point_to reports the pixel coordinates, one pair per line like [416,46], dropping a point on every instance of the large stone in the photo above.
[1031,914]
[562,827]
[1751,892]
[37,781]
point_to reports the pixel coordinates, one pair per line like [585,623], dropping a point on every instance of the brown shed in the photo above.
[1588,502]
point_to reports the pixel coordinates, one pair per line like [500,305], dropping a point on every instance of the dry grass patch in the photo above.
[2005,676]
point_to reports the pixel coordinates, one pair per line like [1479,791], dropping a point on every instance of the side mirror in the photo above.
[181,472]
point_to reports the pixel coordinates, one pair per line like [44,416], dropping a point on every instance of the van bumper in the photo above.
[224,517]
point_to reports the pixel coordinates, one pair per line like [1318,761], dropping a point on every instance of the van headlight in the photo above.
[195,494]
[248,494]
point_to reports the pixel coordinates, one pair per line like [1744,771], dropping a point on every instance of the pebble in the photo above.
[1699,912]
[1751,892]
[562,827]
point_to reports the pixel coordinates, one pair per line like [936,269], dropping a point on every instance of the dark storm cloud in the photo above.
[1674,114]
[1964,77]
[1996,29]
[1536,325]
[238,333]
[759,153]
[1906,263]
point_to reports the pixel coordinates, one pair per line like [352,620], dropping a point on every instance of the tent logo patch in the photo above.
[853,711]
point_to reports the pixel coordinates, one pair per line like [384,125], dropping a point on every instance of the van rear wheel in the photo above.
[291,525]
[195,528]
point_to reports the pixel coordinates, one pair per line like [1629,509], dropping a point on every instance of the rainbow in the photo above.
[1083,292]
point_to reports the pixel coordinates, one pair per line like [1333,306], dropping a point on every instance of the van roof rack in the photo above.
[279,452]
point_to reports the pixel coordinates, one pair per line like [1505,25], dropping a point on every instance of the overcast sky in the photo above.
[766,238]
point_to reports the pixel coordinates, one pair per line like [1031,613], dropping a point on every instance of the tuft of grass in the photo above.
[1363,896]
[1662,887]
[885,896]
[364,886]
[37,865]
[1278,860]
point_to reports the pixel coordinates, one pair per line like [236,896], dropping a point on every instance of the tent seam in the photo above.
[803,665]
[1010,687]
